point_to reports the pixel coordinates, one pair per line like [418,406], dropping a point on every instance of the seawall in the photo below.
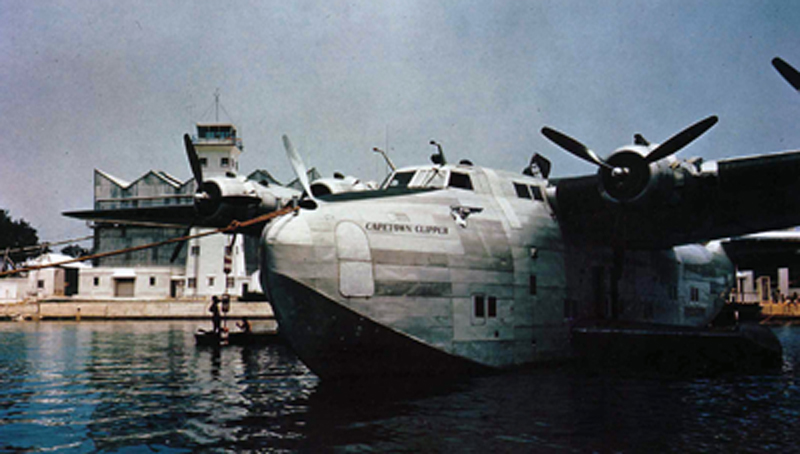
[128,310]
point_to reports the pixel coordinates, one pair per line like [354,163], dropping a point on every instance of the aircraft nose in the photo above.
[287,241]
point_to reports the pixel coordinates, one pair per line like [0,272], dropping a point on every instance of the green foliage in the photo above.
[15,235]
[74,250]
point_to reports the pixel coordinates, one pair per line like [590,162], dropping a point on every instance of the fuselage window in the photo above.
[522,191]
[484,306]
[478,303]
[460,180]
[491,307]
[401,180]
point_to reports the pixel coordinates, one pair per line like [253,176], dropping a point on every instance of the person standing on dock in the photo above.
[216,318]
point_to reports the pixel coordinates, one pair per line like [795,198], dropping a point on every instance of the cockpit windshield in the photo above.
[400,180]
[429,178]
[432,177]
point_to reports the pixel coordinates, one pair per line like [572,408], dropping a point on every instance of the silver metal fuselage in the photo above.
[445,277]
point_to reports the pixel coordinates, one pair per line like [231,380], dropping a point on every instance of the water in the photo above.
[145,387]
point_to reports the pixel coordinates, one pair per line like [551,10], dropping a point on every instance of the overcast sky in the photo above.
[114,85]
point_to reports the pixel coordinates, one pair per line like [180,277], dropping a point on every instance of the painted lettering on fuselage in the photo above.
[421,229]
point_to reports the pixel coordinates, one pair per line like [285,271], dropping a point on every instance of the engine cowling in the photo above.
[226,199]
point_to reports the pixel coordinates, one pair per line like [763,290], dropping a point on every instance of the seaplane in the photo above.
[451,267]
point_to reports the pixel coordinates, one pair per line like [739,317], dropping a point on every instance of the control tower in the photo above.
[218,148]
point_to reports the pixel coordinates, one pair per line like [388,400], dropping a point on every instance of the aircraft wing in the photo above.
[683,203]
[161,216]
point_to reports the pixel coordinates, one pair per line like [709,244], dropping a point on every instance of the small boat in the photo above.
[210,338]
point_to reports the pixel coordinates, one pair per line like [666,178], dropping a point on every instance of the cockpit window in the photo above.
[522,191]
[528,191]
[460,180]
[400,180]
[431,178]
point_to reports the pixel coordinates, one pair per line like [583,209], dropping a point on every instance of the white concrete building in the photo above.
[199,270]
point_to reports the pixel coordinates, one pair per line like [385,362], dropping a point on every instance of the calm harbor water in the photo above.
[145,387]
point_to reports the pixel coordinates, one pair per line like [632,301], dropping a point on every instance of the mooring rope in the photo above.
[234,225]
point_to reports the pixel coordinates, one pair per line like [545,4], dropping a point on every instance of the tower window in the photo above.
[224,162]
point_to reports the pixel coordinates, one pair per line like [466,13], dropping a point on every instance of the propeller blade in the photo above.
[681,139]
[788,72]
[573,146]
[179,245]
[194,161]
[297,165]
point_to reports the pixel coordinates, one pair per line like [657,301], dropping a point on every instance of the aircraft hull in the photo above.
[337,343]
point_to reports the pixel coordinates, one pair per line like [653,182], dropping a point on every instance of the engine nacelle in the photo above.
[224,199]
[339,184]
[631,180]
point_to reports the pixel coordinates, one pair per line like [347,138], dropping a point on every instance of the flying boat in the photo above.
[452,266]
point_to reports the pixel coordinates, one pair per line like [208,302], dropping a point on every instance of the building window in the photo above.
[224,162]
[152,281]
[230,282]
[40,283]
[203,162]
[695,294]
[491,307]
[211,281]
[532,288]
[191,282]
[195,250]
[96,281]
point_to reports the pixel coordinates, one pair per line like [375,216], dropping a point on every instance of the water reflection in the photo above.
[132,386]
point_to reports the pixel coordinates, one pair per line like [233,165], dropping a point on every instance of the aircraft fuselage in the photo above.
[464,267]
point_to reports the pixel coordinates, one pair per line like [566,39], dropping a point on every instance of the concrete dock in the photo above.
[127,309]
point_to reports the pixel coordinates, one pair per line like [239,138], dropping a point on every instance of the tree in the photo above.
[15,235]
[74,250]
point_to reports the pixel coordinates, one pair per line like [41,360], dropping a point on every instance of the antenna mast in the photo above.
[216,106]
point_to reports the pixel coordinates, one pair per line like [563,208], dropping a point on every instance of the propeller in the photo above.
[626,173]
[573,146]
[179,245]
[194,161]
[681,139]
[297,165]
[788,72]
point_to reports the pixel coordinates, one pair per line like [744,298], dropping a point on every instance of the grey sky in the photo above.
[114,85]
